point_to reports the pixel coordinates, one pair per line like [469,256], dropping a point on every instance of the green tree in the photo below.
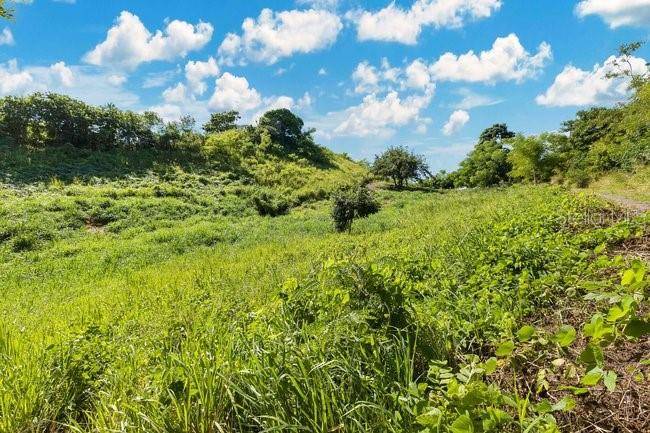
[487,164]
[350,204]
[400,165]
[285,128]
[530,158]
[496,133]
[622,65]
[4,12]
[221,122]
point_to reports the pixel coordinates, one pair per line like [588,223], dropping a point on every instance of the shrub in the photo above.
[270,204]
[349,204]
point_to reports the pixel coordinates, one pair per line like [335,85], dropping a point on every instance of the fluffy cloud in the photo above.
[417,75]
[197,72]
[377,116]
[457,120]
[275,35]
[366,78]
[395,24]
[176,94]
[577,87]
[129,43]
[234,93]
[617,13]
[64,74]
[370,79]
[81,82]
[13,80]
[507,60]
[6,37]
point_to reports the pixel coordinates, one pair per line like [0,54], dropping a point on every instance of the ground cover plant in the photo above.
[414,321]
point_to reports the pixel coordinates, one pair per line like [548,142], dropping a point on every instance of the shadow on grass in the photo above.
[20,165]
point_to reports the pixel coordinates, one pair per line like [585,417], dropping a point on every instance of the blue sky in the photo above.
[428,74]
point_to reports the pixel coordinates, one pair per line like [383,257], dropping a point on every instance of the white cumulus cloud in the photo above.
[197,72]
[577,87]
[507,60]
[377,116]
[129,43]
[457,120]
[617,13]
[234,93]
[395,24]
[275,35]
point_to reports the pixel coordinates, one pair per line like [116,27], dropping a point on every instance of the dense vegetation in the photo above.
[255,324]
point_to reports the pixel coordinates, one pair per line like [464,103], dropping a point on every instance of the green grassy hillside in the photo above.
[160,301]
[633,186]
[55,194]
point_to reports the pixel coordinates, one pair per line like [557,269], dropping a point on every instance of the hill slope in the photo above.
[251,324]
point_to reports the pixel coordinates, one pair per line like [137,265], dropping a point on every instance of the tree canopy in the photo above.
[531,158]
[221,122]
[400,165]
[487,165]
[285,128]
[497,133]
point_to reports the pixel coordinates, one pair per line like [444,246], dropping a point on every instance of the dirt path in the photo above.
[636,206]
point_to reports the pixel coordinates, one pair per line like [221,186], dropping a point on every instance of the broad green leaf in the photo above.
[526,333]
[565,405]
[597,329]
[490,366]
[544,406]
[565,335]
[629,277]
[610,380]
[463,424]
[592,356]
[620,310]
[637,328]
[592,377]
[505,349]
[575,390]
[431,418]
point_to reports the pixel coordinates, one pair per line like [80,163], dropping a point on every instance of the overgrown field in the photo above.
[163,302]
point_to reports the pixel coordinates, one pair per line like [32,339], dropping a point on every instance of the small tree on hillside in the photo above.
[221,122]
[350,204]
[284,127]
[530,158]
[399,165]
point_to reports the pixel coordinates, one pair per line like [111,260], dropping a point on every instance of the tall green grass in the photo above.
[217,323]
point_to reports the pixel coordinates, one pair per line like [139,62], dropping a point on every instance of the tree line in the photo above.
[44,120]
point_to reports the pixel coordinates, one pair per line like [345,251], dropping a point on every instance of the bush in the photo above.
[269,204]
[349,204]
